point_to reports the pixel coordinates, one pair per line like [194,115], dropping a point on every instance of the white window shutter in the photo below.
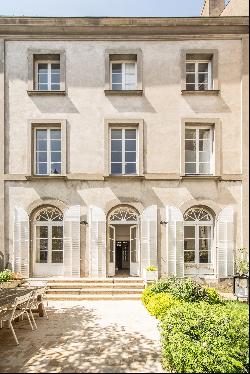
[71,241]
[225,242]
[175,242]
[149,237]
[97,242]
[21,242]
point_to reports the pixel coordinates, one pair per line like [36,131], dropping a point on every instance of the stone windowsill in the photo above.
[39,177]
[202,93]
[201,176]
[124,177]
[46,93]
[123,92]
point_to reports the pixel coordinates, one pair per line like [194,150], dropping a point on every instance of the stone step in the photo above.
[95,285]
[68,297]
[95,291]
[92,280]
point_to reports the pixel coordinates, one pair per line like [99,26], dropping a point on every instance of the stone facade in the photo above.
[160,193]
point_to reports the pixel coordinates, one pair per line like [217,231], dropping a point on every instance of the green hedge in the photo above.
[5,275]
[200,332]
[203,338]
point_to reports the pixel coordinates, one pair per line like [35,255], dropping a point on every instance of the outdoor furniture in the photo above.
[20,307]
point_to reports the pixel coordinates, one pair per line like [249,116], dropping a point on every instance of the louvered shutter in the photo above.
[21,242]
[175,242]
[225,242]
[149,237]
[97,242]
[71,241]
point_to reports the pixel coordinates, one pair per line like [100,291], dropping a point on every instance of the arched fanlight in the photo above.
[123,215]
[198,214]
[49,214]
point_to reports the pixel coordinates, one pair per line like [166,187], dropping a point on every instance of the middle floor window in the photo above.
[123,75]
[199,150]
[48,160]
[123,151]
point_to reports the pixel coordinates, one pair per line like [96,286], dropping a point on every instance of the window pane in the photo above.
[57,231]
[116,156]
[190,87]
[43,68]
[43,78]
[204,156]
[190,145]
[116,68]
[130,156]
[204,257]
[190,78]
[55,145]
[190,168]
[41,145]
[116,145]
[42,231]
[43,257]
[203,67]
[41,134]
[190,67]
[41,156]
[190,134]
[56,156]
[205,232]
[189,231]
[130,134]
[130,145]
[204,168]
[116,134]
[130,168]
[116,168]
[116,78]
[55,168]
[57,244]
[55,134]
[204,145]
[43,87]
[204,134]
[57,257]
[189,244]
[55,87]
[116,86]
[41,168]
[190,156]
[189,256]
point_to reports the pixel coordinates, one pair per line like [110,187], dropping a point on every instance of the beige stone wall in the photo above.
[85,106]
[236,8]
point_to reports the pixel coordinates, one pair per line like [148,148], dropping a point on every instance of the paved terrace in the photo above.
[84,336]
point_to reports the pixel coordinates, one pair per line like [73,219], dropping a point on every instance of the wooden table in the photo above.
[8,295]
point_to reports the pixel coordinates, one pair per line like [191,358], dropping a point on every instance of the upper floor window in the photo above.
[123,151]
[47,75]
[48,158]
[199,153]
[123,75]
[199,75]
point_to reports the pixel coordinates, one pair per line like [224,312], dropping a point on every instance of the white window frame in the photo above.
[196,73]
[123,128]
[49,62]
[198,224]
[48,163]
[123,63]
[211,148]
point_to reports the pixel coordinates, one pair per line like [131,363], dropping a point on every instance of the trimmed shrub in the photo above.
[160,303]
[146,295]
[5,275]
[211,296]
[203,338]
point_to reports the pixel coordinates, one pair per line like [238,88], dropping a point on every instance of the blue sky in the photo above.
[82,8]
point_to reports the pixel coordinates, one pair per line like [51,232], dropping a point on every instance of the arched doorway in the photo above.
[47,254]
[199,251]
[123,254]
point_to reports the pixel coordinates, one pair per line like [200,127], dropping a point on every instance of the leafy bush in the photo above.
[203,338]
[160,303]
[5,275]
[186,290]
[146,295]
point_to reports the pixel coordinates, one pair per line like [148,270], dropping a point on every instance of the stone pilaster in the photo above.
[1,153]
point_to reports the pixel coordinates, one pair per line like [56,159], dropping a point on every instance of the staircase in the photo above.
[95,289]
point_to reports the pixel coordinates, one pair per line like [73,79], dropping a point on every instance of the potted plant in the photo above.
[8,279]
[241,277]
[150,274]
